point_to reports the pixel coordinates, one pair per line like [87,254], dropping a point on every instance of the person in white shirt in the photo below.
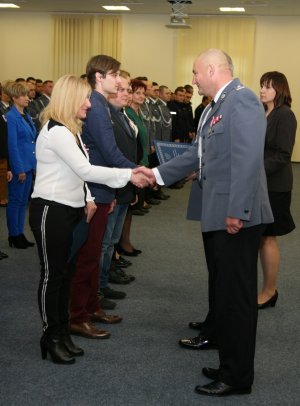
[58,199]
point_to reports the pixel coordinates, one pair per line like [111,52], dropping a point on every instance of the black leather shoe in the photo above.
[3,255]
[217,388]
[196,325]
[70,346]
[107,304]
[125,275]
[269,303]
[109,293]
[211,373]
[137,212]
[122,263]
[121,250]
[198,343]
[117,277]
[153,201]
[56,349]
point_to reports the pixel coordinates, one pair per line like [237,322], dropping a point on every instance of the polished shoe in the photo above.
[145,211]
[109,293]
[122,263]
[269,303]
[123,274]
[70,346]
[88,330]
[196,325]
[217,388]
[106,304]
[137,212]
[57,350]
[17,241]
[132,253]
[118,278]
[153,201]
[160,195]
[198,343]
[102,317]
[3,255]
[211,373]
[29,243]
[138,252]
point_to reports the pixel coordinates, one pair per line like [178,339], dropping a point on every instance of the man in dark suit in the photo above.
[125,134]
[35,108]
[229,196]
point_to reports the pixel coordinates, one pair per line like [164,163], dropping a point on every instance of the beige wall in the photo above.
[26,45]
[276,48]
[148,48]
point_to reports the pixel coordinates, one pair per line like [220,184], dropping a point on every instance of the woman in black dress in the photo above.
[280,138]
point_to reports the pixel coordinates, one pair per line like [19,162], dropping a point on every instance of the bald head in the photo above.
[212,70]
[218,58]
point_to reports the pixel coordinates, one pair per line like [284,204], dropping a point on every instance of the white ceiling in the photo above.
[198,7]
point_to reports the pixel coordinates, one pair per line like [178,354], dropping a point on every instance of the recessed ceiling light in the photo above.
[8,5]
[116,8]
[232,9]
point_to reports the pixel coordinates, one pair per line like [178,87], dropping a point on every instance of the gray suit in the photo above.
[232,157]
[233,184]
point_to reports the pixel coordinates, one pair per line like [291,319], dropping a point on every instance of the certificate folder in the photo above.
[167,150]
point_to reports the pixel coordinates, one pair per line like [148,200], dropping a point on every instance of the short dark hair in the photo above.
[102,64]
[189,88]
[38,81]
[281,86]
[20,80]
[179,89]
[30,78]
[137,84]
[141,78]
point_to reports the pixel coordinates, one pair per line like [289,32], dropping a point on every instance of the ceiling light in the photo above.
[232,9]
[116,8]
[8,5]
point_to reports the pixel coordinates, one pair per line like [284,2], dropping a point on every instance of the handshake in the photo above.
[142,177]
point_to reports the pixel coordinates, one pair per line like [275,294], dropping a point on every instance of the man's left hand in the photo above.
[233,225]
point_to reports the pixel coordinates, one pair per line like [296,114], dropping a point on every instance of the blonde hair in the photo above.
[15,89]
[68,95]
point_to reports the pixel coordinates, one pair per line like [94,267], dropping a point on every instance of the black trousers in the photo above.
[52,227]
[232,317]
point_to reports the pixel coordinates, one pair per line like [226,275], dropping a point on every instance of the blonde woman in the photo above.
[58,199]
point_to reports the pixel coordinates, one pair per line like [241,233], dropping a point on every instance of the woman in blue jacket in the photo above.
[21,152]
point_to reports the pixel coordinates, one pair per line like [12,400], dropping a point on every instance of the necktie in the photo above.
[124,121]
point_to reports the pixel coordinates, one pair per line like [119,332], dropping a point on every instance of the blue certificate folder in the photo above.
[167,150]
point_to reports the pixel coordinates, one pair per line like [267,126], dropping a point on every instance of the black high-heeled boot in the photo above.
[17,241]
[56,349]
[28,243]
[70,346]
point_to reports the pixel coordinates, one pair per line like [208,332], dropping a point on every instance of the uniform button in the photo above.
[203,150]
[203,137]
[204,177]
[33,152]
[246,211]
